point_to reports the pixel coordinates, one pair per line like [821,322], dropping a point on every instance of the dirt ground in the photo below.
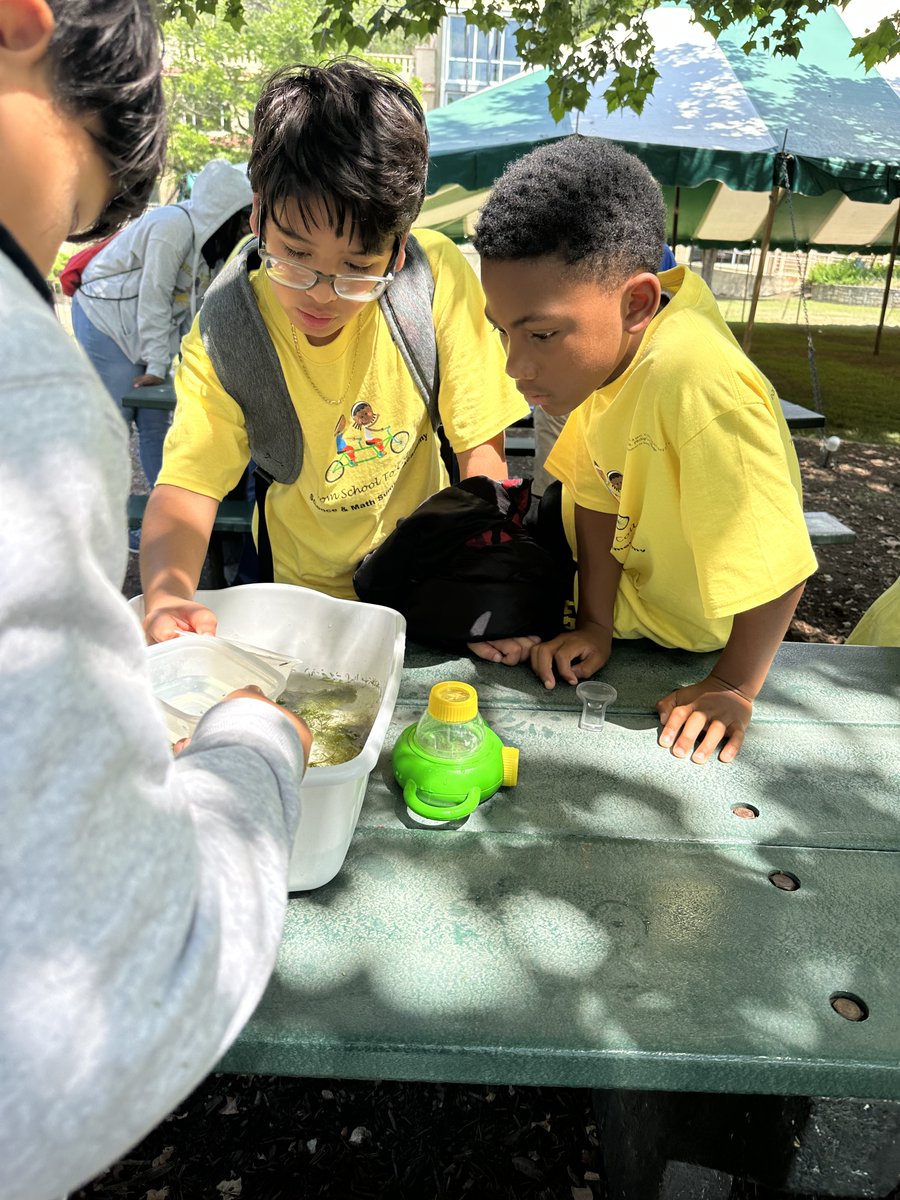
[861,487]
[267,1138]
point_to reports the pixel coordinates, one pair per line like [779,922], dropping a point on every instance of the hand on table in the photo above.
[711,705]
[576,655]
[509,651]
[146,381]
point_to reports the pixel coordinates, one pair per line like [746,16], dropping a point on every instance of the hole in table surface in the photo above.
[749,812]
[784,881]
[850,1007]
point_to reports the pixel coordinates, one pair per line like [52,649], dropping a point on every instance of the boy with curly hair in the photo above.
[681,489]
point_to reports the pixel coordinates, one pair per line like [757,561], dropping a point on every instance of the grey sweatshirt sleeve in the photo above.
[141,897]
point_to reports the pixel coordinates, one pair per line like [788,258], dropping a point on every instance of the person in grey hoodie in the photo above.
[139,295]
[141,896]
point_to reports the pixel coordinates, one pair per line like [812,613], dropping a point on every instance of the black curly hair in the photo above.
[104,61]
[346,137]
[583,199]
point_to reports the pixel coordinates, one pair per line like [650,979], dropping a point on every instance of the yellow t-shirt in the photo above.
[690,448]
[370,455]
[880,623]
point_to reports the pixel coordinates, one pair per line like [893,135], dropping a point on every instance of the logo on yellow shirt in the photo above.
[371,441]
[612,480]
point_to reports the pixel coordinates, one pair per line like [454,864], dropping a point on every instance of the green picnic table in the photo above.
[156,395]
[633,923]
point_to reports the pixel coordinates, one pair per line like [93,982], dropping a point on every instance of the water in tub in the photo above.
[339,712]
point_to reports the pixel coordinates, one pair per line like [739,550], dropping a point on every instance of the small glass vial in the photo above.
[595,697]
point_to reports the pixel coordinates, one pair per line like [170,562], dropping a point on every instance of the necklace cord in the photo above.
[306,371]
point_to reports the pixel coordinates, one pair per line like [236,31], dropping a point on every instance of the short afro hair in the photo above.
[583,199]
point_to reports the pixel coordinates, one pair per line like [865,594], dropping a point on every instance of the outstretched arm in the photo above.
[177,527]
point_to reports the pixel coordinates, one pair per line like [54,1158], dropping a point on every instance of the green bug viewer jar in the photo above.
[451,760]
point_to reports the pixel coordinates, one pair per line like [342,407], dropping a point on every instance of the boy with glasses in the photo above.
[338,169]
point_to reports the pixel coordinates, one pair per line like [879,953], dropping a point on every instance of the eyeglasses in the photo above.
[348,287]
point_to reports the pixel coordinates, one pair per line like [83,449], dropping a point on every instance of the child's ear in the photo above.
[641,301]
[26,27]
[401,254]
[254,216]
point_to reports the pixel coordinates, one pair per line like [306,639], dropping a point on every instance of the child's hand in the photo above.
[169,619]
[576,655]
[709,705]
[509,651]
[252,692]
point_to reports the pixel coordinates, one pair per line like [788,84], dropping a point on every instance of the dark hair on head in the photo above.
[105,62]
[344,137]
[583,199]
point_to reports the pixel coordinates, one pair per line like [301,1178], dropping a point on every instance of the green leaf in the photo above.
[880,44]
[578,41]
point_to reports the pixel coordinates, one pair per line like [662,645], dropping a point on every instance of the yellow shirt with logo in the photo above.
[370,454]
[689,447]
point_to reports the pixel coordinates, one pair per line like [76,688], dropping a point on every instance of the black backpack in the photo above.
[463,568]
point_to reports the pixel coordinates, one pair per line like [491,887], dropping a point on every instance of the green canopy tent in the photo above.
[711,133]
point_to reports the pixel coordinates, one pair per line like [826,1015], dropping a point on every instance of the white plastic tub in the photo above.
[347,640]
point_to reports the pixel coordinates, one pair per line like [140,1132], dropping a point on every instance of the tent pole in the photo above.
[763,251]
[675,206]
[887,282]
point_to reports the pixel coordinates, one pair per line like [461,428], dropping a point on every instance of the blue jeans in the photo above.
[118,373]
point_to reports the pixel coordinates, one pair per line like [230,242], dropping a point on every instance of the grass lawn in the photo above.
[860,392]
[786,310]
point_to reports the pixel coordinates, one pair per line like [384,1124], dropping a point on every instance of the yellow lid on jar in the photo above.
[453,702]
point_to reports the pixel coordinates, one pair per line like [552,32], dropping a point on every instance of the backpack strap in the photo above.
[246,362]
[407,309]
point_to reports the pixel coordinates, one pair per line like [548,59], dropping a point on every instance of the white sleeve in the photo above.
[141,897]
[168,244]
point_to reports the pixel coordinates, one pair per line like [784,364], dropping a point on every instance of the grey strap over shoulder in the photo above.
[246,362]
[406,306]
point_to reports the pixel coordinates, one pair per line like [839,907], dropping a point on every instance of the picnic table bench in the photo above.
[156,395]
[713,948]
[520,436]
